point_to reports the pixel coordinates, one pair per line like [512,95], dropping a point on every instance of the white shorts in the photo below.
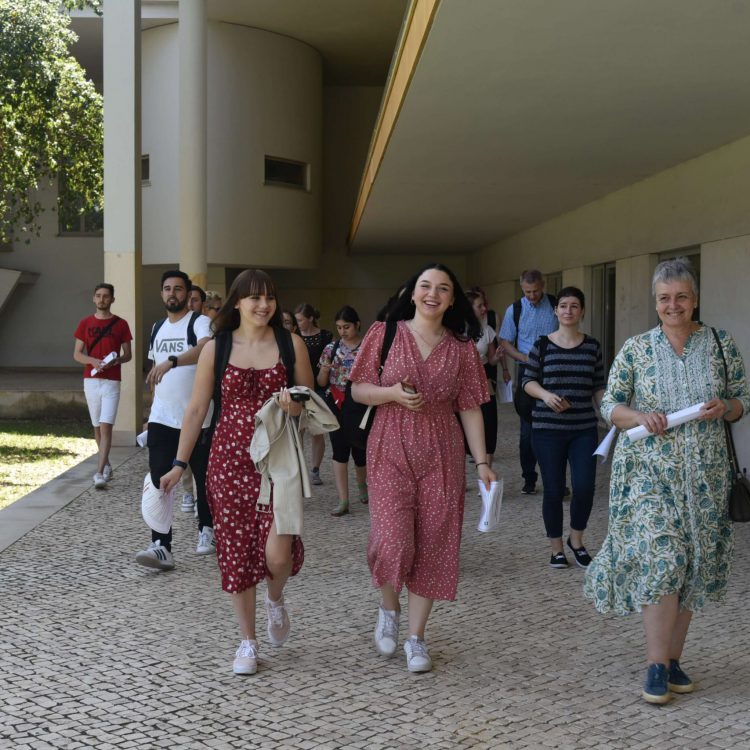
[102,396]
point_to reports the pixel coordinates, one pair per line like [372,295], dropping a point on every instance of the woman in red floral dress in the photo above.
[415,451]
[247,545]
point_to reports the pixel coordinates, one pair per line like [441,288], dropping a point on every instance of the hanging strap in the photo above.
[733,460]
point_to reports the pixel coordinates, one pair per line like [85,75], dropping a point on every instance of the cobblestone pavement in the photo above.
[97,652]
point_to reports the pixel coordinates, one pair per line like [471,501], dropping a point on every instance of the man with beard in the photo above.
[99,337]
[176,343]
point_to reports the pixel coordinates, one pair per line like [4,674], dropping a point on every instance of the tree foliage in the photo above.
[50,114]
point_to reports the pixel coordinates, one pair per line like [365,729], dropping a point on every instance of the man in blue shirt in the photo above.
[518,335]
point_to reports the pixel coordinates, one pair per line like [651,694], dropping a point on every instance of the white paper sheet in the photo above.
[677,417]
[505,392]
[142,438]
[492,501]
[111,356]
[605,446]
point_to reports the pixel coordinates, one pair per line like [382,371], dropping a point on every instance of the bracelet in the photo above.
[481,463]
[181,464]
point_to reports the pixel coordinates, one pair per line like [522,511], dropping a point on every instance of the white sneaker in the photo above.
[107,473]
[99,481]
[155,556]
[386,632]
[278,621]
[246,658]
[188,501]
[206,541]
[417,658]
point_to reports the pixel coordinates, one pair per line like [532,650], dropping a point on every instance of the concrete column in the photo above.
[192,145]
[122,194]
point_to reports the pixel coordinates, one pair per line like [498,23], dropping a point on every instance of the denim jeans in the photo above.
[554,449]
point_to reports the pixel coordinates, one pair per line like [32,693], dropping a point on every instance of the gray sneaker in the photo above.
[155,556]
[417,657]
[315,476]
[246,658]
[386,632]
[278,621]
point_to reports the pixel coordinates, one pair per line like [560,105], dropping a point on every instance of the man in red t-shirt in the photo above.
[102,345]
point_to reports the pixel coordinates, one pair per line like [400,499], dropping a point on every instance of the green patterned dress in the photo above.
[669,531]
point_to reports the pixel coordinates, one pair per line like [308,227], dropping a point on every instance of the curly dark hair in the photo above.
[459,318]
[249,282]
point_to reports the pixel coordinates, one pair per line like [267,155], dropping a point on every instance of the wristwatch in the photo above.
[173,359]
[181,464]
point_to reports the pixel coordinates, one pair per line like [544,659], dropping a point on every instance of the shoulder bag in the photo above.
[739,492]
[356,419]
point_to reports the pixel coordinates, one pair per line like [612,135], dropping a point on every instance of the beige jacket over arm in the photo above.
[276,451]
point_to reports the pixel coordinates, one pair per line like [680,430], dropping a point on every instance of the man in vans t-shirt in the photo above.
[176,343]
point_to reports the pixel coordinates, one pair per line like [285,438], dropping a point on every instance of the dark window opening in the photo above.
[286,172]
[145,168]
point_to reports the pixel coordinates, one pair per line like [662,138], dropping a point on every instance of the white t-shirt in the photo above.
[483,345]
[172,395]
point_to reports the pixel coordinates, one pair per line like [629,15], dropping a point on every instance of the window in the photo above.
[146,169]
[603,310]
[286,173]
[71,218]
[553,283]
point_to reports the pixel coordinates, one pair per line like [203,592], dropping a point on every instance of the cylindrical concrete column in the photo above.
[122,195]
[192,140]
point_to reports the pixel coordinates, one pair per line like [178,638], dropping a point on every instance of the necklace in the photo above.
[431,344]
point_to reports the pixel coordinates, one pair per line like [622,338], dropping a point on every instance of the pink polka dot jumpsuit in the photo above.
[233,484]
[415,461]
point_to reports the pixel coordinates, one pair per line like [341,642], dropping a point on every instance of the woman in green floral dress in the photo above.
[669,545]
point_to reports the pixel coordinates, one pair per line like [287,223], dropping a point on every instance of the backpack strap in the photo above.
[191,337]
[516,319]
[391,327]
[154,330]
[286,351]
[552,300]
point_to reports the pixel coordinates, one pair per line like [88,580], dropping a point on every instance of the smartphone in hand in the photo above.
[408,387]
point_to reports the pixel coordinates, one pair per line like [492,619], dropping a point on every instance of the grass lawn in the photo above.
[34,451]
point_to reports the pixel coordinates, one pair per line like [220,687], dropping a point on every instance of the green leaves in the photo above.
[50,114]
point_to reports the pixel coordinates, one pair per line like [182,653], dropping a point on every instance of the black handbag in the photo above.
[356,419]
[739,492]
[522,402]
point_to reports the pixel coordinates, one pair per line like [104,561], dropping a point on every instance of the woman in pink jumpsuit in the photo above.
[415,451]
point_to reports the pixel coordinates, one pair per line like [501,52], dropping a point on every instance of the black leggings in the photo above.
[162,450]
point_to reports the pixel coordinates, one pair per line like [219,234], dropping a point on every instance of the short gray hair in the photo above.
[532,276]
[677,269]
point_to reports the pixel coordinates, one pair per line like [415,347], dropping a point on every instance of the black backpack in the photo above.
[352,412]
[191,338]
[522,402]
[222,351]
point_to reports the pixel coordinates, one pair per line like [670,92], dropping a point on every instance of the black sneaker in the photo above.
[528,489]
[583,558]
[558,560]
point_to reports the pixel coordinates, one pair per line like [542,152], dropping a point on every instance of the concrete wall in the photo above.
[702,202]
[365,282]
[38,321]
[264,98]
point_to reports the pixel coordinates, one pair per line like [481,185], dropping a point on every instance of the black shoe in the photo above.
[528,489]
[583,558]
[558,560]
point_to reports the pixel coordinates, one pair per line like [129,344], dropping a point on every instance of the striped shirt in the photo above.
[535,321]
[575,373]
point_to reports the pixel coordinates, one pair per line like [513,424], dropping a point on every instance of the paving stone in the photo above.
[98,652]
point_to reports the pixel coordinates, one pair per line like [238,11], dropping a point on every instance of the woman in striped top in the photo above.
[565,375]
